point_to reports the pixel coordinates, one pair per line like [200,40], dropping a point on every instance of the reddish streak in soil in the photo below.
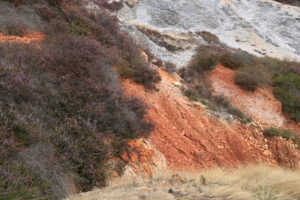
[29,38]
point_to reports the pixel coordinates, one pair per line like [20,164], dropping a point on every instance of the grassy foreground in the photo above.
[251,182]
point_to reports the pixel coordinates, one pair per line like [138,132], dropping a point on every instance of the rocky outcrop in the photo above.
[143,159]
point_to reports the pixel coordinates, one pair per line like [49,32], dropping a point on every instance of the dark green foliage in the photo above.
[18,182]
[249,78]
[205,59]
[287,90]
[232,60]
[271,132]
[287,134]
[291,2]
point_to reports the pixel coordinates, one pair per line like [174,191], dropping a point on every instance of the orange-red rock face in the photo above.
[189,137]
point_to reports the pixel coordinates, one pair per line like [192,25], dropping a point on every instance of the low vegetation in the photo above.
[284,133]
[291,2]
[63,113]
[251,72]
[199,90]
[232,60]
[250,78]
[287,90]
[169,67]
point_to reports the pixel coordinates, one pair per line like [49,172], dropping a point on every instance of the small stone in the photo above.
[177,83]
[171,190]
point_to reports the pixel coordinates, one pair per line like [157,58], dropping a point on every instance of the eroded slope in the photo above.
[190,137]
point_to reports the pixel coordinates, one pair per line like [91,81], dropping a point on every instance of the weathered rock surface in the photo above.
[261,27]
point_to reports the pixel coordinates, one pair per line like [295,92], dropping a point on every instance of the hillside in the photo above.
[149,99]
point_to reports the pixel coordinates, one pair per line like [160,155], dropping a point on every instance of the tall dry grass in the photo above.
[244,183]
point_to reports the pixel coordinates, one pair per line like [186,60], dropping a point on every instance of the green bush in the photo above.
[271,132]
[205,59]
[232,60]
[287,134]
[287,90]
[249,78]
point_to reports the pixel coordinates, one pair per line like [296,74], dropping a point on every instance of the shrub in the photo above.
[232,60]
[16,183]
[103,28]
[15,28]
[287,134]
[249,78]
[169,67]
[265,193]
[274,65]
[134,66]
[209,37]
[146,76]
[287,90]
[47,13]
[271,132]
[294,68]
[113,6]
[205,59]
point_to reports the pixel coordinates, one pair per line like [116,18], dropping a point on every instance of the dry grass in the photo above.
[246,183]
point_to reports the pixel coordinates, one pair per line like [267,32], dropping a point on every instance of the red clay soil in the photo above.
[261,104]
[189,137]
[29,38]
